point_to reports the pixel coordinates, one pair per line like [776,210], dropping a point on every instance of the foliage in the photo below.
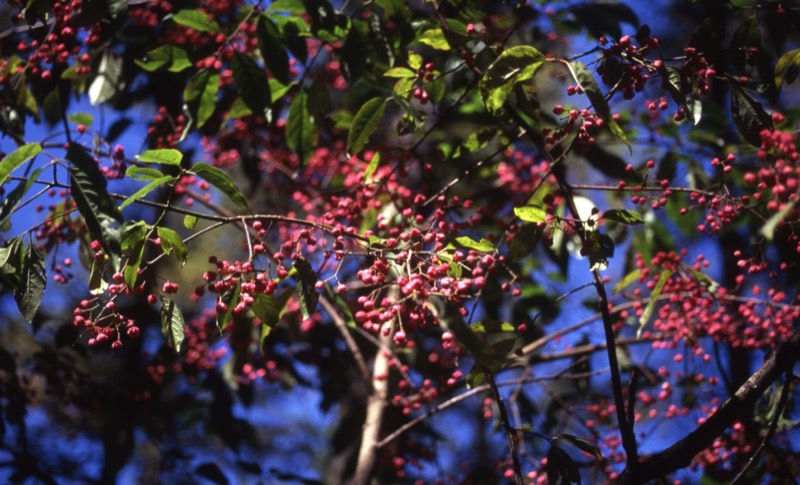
[554,222]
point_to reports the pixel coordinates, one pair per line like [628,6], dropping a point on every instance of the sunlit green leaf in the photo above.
[16,158]
[483,245]
[221,180]
[627,280]
[788,67]
[435,38]
[530,213]
[514,65]
[651,305]
[201,95]
[165,156]
[154,184]
[197,20]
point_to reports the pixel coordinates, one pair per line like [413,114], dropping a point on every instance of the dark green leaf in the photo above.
[788,67]
[88,190]
[117,7]
[746,36]
[201,95]
[476,377]
[12,200]
[197,20]
[306,280]
[164,156]
[16,158]
[166,56]
[586,80]
[221,181]
[581,444]
[251,83]
[231,299]
[623,216]
[749,116]
[134,237]
[525,241]
[561,469]
[603,18]
[172,325]
[602,250]
[610,164]
[514,65]
[172,243]
[272,49]
[33,279]
[651,305]
[365,123]
[299,127]
[667,167]
[269,308]
[11,257]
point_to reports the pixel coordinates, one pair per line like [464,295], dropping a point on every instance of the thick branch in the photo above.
[734,409]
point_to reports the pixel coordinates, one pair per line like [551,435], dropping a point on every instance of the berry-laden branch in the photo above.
[737,407]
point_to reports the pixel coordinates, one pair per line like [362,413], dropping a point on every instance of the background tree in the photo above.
[387,241]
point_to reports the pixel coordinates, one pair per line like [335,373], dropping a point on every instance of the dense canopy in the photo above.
[440,241]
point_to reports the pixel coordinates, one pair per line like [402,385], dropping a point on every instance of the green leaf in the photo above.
[414,60]
[172,325]
[365,123]
[290,6]
[251,83]
[12,200]
[299,127]
[586,80]
[581,444]
[483,245]
[221,181]
[154,184]
[513,66]
[788,67]
[530,213]
[561,469]
[11,256]
[525,241]
[134,238]
[745,37]
[435,38]
[768,229]
[164,156]
[306,279]
[97,285]
[33,280]
[623,216]
[166,56]
[143,174]
[172,244]
[627,280]
[475,377]
[400,72]
[272,49]
[189,221]
[197,20]
[373,165]
[749,116]
[231,299]
[651,305]
[201,95]
[109,80]
[88,190]
[81,118]
[16,158]
[269,309]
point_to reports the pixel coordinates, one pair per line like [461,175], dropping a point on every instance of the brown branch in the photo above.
[736,408]
[511,434]
[341,325]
